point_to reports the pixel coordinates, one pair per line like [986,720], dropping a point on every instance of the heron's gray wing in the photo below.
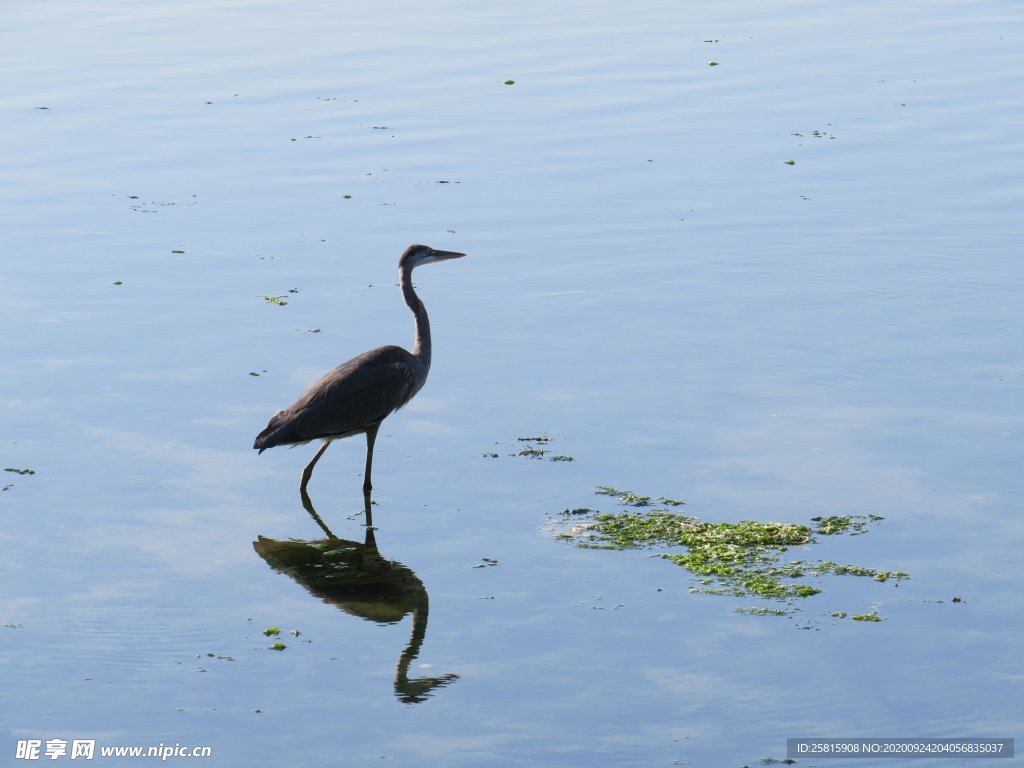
[348,399]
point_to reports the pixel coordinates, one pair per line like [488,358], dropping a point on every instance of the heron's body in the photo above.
[375,384]
[357,396]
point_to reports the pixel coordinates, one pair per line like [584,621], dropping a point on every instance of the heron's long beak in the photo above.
[436,255]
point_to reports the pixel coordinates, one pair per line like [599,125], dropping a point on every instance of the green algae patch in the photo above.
[737,558]
[748,558]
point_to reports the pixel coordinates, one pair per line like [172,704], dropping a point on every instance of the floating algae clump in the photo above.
[744,558]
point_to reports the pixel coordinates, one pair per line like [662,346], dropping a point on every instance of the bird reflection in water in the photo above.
[357,579]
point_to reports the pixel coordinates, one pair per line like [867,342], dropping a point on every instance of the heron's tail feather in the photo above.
[274,433]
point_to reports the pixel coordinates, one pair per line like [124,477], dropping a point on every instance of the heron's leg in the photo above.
[308,471]
[308,504]
[371,437]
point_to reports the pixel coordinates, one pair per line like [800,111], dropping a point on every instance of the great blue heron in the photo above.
[358,395]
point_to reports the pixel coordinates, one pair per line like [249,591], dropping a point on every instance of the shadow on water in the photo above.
[355,577]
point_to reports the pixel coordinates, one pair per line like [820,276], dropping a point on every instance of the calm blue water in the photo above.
[650,283]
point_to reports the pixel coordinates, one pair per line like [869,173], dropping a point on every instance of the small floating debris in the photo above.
[855,524]
[533,449]
[754,611]
[873,616]
[17,471]
[275,300]
[624,497]
[634,499]
[532,453]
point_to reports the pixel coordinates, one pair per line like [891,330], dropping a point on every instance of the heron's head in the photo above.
[416,255]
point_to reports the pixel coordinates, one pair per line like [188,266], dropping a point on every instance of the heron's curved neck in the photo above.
[422,346]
